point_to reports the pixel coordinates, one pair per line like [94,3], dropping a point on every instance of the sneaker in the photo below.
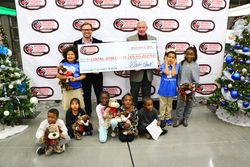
[169,122]
[40,150]
[113,134]
[164,131]
[147,136]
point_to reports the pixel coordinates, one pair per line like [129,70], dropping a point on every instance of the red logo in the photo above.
[69,4]
[123,74]
[180,4]
[202,26]
[207,88]
[180,47]
[113,91]
[126,25]
[214,5]
[144,4]
[210,48]
[48,72]
[152,91]
[45,26]
[79,22]
[42,92]
[205,69]
[166,25]
[63,45]
[89,50]
[107,4]
[36,49]
[32,4]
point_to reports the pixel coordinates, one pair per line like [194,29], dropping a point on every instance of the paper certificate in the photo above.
[118,56]
[154,130]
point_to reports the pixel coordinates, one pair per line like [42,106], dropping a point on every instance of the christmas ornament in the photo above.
[6,113]
[232,43]
[33,100]
[229,59]
[11,86]
[234,94]
[231,49]
[248,62]
[242,78]
[223,103]
[230,69]
[244,70]
[237,46]
[225,89]
[9,52]
[230,85]
[3,66]
[236,76]
[245,49]
[245,104]
[241,61]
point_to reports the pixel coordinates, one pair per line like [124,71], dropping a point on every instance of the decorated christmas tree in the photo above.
[16,101]
[233,95]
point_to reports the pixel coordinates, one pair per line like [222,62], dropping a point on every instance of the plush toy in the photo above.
[125,120]
[186,90]
[52,138]
[64,82]
[82,127]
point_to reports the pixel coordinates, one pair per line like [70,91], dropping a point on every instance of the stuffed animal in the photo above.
[64,82]
[125,120]
[52,138]
[82,127]
[187,90]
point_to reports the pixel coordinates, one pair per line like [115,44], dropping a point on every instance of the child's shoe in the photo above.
[147,136]
[113,134]
[40,150]
[164,131]
[169,122]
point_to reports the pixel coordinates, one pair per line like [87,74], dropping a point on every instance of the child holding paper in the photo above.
[148,114]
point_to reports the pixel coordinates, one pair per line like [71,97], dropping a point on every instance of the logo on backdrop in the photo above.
[114,91]
[144,4]
[180,47]
[125,24]
[42,92]
[36,49]
[64,45]
[166,25]
[207,88]
[202,26]
[214,5]
[180,4]
[45,26]
[69,4]
[210,48]
[107,4]
[32,4]
[205,69]
[123,74]
[79,22]
[48,72]
[89,50]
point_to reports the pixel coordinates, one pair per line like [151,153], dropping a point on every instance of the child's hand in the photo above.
[174,63]
[79,122]
[72,79]
[158,123]
[166,71]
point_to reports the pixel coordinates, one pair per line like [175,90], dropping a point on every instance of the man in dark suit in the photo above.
[140,78]
[95,79]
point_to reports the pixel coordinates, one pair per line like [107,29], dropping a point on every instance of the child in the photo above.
[188,73]
[71,76]
[146,115]
[72,116]
[167,88]
[100,109]
[129,119]
[52,118]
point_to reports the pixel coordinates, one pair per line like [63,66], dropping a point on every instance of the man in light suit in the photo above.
[95,79]
[141,78]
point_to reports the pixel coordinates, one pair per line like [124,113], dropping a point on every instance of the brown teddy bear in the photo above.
[64,82]
[52,138]
[82,127]
[187,90]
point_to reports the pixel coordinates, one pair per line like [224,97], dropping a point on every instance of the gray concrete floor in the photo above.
[207,142]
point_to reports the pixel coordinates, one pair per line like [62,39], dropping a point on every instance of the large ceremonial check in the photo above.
[118,56]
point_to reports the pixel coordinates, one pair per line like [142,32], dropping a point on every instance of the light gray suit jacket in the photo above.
[137,76]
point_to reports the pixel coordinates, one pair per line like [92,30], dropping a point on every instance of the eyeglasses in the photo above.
[86,30]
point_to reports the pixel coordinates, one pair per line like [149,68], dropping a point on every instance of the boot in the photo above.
[185,123]
[177,123]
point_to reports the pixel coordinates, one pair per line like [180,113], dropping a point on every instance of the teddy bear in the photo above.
[126,123]
[110,112]
[52,138]
[64,82]
[82,127]
[186,90]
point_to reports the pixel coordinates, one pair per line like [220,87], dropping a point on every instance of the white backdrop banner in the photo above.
[47,26]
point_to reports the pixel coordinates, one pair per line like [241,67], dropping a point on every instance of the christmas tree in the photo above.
[233,95]
[16,101]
